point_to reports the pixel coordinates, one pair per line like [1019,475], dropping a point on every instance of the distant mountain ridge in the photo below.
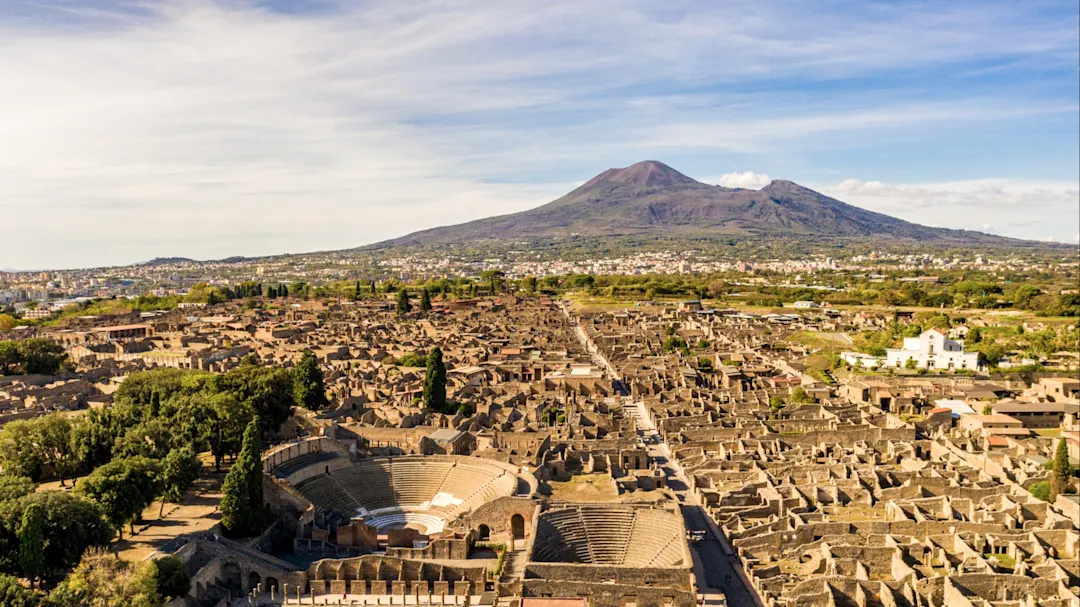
[651,198]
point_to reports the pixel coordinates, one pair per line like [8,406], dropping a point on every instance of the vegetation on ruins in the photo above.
[243,512]
[800,396]
[1041,490]
[435,381]
[308,388]
[411,359]
[101,580]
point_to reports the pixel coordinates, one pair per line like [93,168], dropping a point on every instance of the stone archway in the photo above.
[232,576]
[517,527]
[253,581]
[483,533]
[271,582]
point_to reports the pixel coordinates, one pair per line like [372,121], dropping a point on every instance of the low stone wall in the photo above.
[285,452]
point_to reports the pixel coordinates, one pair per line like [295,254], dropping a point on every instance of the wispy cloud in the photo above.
[209,128]
[1043,210]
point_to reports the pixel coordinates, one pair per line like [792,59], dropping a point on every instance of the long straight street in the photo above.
[717,569]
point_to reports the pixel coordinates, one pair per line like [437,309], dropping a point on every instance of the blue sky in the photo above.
[207,129]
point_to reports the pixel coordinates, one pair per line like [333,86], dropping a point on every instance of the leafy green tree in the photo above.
[308,388]
[528,284]
[14,487]
[71,524]
[877,351]
[152,438]
[7,322]
[92,438]
[800,396]
[990,353]
[403,305]
[1059,478]
[173,580]
[494,279]
[32,543]
[9,358]
[910,363]
[14,594]
[264,390]
[178,471]
[19,452]
[243,512]
[435,381]
[356,291]
[229,417]
[425,300]
[123,488]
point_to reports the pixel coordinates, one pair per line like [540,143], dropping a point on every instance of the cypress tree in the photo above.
[435,381]
[242,510]
[309,389]
[372,287]
[425,300]
[356,291]
[1059,480]
[32,543]
[403,305]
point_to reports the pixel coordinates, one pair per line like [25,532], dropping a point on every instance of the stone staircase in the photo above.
[514,567]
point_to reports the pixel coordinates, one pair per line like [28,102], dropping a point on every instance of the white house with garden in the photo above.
[932,350]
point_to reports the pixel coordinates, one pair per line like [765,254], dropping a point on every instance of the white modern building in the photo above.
[932,350]
[865,361]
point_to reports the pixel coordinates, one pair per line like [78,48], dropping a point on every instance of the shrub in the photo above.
[1041,490]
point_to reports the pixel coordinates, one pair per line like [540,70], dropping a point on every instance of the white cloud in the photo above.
[1009,207]
[747,179]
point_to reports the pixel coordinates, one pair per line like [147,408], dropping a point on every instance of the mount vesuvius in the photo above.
[651,198]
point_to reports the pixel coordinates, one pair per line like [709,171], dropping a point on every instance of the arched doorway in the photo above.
[517,527]
[271,582]
[483,534]
[253,581]
[232,577]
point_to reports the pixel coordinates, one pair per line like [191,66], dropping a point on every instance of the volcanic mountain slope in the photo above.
[652,198]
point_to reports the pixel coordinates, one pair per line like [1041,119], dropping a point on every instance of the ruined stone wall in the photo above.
[609,595]
[667,577]
[497,515]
